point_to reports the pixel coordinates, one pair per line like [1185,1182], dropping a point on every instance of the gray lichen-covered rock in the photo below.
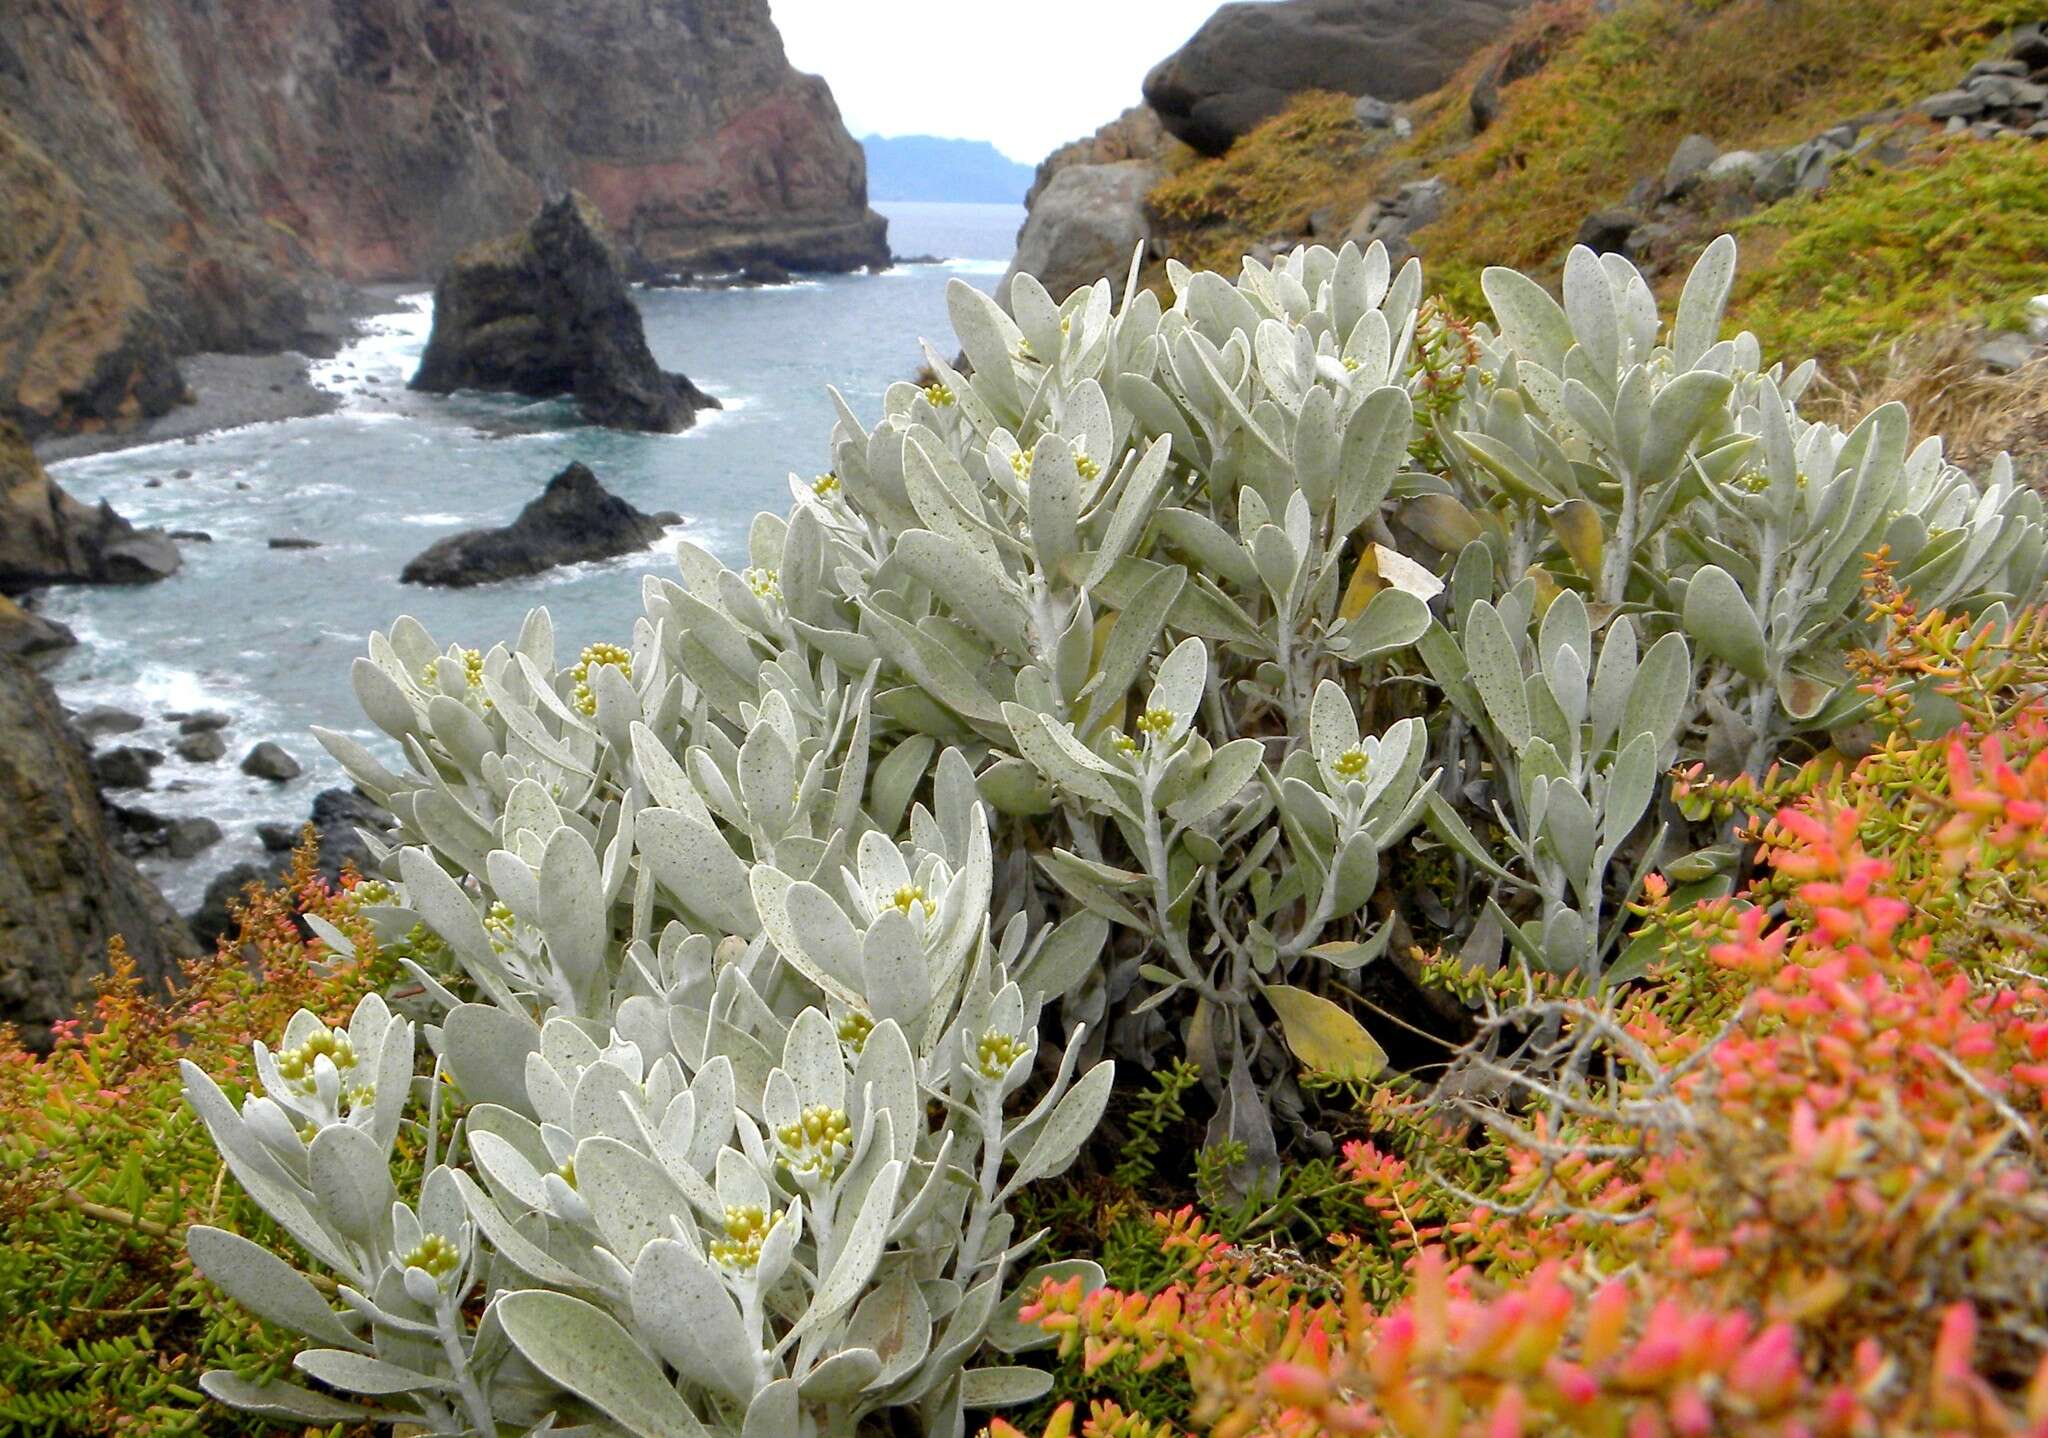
[64,891]
[546,312]
[574,520]
[1248,60]
[1084,225]
[47,537]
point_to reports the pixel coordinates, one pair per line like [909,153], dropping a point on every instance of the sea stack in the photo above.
[575,519]
[546,312]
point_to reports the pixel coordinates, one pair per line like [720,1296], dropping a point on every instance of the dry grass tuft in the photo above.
[1950,392]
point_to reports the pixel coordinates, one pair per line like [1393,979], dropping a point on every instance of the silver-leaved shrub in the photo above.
[1130,691]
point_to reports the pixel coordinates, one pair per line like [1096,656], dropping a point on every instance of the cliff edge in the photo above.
[200,176]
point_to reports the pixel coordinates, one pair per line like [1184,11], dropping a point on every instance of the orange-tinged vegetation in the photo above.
[1795,1183]
[102,1167]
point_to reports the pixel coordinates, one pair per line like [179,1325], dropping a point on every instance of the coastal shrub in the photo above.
[1119,699]
[102,1167]
[1794,1183]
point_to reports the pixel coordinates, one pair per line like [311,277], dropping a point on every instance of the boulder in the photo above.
[202,748]
[65,892]
[1951,103]
[125,767]
[1393,218]
[25,634]
[137,831]
[546,312]
[2006,351]
[184,838]
[1136,134]
[47,537]
[1606,232]
[2028,44]
[271,761]
[1374,113]
[1083,226]
[1737,167]
[337,816]
[1520,58]
[575,519]
[1688,162]
[1249,59]
[198,721]
[104,719]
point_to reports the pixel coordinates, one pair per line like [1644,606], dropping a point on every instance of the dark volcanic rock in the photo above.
[47,537]
[271,761]
[124,767]
[183,838]
[64,890]
[1606,232]
[106,719]
[203,747]
[575,519]
[1248,60]
[337,815]
[546,312]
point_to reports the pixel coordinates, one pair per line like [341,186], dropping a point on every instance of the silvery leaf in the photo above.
[265,1284]
[586,1351]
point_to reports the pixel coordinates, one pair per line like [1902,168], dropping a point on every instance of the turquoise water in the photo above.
[267,635]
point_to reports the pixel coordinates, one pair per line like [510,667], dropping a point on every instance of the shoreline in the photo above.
[232,391]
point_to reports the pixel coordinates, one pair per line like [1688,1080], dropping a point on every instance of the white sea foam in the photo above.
[388,347]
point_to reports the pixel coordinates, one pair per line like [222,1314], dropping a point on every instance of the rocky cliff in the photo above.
[47,537]
[64,892]
[194,176]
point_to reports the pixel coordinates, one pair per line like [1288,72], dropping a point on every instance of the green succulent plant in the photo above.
[1126,692]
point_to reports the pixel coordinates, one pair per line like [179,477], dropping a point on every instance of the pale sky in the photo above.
[1028,75]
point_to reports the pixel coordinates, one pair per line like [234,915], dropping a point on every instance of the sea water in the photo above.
[267,635]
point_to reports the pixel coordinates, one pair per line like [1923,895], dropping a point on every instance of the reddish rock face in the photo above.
[213,162]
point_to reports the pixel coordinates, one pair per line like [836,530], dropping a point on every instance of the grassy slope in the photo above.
[1952,235]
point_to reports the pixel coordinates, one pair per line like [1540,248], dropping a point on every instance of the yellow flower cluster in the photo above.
[596,656]
[996,1052]
[818,1142]
[746,1229]
[1351,764]
[498,922]
[296,1064]
[472,670]
[433,1255]
[940,395]
[765,583]
[1087,467]
[909,896]
[854,1030]
[825,485]
[1156,723]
